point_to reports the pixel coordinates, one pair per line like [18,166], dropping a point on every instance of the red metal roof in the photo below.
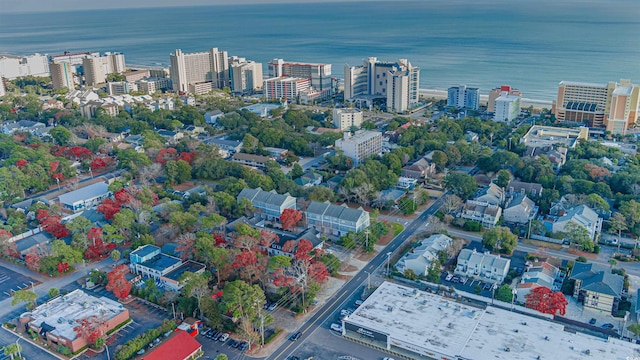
[178,347]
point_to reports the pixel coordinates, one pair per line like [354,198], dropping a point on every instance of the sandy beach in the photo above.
[484,98]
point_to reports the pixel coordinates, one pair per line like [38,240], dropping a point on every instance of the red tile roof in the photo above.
[178,347]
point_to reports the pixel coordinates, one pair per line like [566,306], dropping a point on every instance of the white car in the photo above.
[224,337]
[449,277]
[336,327]
[344,312]
[388,358]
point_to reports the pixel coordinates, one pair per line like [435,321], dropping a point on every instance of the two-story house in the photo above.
[580,215]
[520,209]
[419,170]
[538,274]
[596,287]
[85,198]
[420,258]
[482,266]
[336,219]
[492,194]
[268,204]
[519,187]
[166,270]
[257,161]
[278,247]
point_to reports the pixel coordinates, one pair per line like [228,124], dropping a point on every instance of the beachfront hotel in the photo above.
[246,75]
[496,92]
[199,72]
[463,97]
[612,106]
[395,82]
[62,75]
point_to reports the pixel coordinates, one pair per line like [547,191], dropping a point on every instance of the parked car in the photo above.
[336,327]
[607,326]
[487,286]
[216,337]
[592,321]
[387,358]
[295,336]
[272,306]
[243,346]
[358,302]
[345,312]
[449,277]
[224,337]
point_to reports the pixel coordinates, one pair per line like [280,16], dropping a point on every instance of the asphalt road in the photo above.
[326,311]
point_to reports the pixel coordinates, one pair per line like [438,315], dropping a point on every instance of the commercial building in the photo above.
[189,71]
[482,266]
[420,258]
[548,136]
[166,270]
[613,106]
[180,346]
[257,161]
[360,145]
[507,107]
[414,324]
[151,85]
[337,220]
[62,75]
[345,119]
[596,286]
[285,88]
[269,204]
[74,59]
[463,97]
[395,82]
[12,67]
[55,320]
[85,198]
[96,68]
[319,75]
[120,87]
[246,75]
[495,93]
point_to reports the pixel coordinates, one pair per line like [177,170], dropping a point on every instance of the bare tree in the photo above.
[451,204]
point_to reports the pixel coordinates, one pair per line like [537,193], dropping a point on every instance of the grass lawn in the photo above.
[397,228]
[544,244]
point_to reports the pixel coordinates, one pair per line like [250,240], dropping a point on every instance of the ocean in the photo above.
[529,44]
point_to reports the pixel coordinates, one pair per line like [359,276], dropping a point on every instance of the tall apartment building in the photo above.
[93,68]
[246,75]
[613,106]
[62,75]
[12,67]
[151,85]
[120,87]
[464,97]
[396,82]
[506,107]
[73,58]
[3,92]
[319,75]
[360,145]
[199,72]
[495,93]
[285,88]
[345,119]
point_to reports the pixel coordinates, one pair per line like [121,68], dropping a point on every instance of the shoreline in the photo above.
[484,98]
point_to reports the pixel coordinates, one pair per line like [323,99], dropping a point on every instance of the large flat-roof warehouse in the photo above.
[427,326]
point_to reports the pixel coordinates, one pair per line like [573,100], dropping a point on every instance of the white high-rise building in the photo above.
[322,85]
[151,85]
[246,75]
[12,67]
[345,119]
[360,145]
[3,92]
[507,107]
[113,63]
[464,97]
[190,70]
[62,75]
[285,88]
[94,71]
[397,82]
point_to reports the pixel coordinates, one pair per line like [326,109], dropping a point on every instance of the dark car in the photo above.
[607,326]
[232,343]
[293,358]
[243,346]
[592,321]
[295,336]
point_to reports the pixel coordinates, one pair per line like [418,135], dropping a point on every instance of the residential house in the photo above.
[556,155]
[268,204]
[486,214]
[193,130]
[421,169]
[257,161]
[482,266]
[596,286]
[211,117]
[276,153]
[538,274]
[309,179]
[492,194]
[38,243]
[337,220]
[166,270]
[406,183]
[390,195]
[519,187]
[21,126]
[334,182]
[230,146]
[171,136]
[520,209]
[85,198]
[581,215]
[278,248]
[420,258]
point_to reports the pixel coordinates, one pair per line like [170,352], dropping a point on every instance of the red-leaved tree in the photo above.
[97,247]
[318,272]
[117,283]
[97,164]
[546,301]
[167,154]
[90,328]
[290,218]
[33,261]
[109,208]
[63,267]
[187,156]
[52,224]
[21,163]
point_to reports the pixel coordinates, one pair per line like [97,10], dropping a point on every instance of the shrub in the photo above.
[472,226]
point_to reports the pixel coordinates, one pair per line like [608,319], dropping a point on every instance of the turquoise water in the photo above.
[529,44]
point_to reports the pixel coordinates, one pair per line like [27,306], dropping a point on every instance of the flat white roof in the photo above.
[437,324]
[86,193]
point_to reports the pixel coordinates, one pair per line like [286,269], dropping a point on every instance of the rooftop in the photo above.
[177,347]
[62,312]
[432,323]
[341,212]
[189,265]
[161,262]
[145,250]
[541,136]
[85,193]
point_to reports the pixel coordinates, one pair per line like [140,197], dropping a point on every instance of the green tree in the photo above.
[222,357]
[115,255]
[503,178]
[504,293]
[24,295]
[440,159]
[579,237]
[279,261]
[321,194]
[410,274]
[635,329]
[244,302]
[12,349]
[618,223]
[433,272]
[500,239]
[53,292]
[296,171]
[631,211]
[462,185]
[65,253]
[197,286]
[79,225]
[60,135]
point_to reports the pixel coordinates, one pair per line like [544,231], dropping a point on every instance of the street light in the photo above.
[388,267]
[108,356]
[514,292]
[18,347]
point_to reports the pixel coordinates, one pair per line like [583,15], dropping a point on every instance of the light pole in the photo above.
[18,347]
[262,328]
[514,292]
[388,266]
[107,348]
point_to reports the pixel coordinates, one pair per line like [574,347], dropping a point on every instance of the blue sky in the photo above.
[12,6]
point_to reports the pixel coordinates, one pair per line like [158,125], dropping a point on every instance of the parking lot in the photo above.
[469,285]
[11,281]
[213,347]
